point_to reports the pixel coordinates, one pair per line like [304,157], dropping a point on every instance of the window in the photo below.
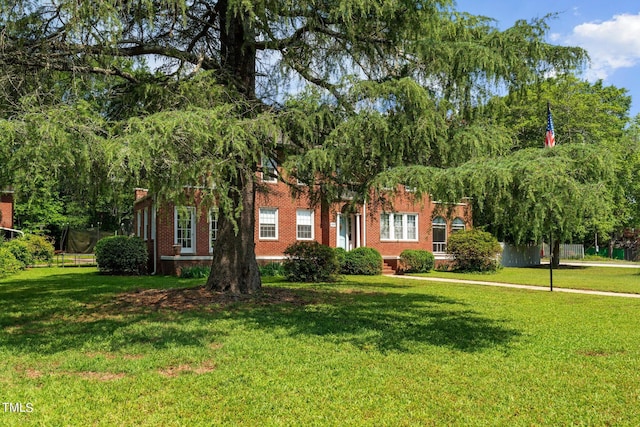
[145,224]
[185,219]
[457,225]
[439,235]
[213,228]
[268,223]
[139,224]
[269,170]
[398,226]
[385,231]
[304,222]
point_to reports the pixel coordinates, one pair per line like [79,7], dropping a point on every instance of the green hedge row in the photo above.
[24,251]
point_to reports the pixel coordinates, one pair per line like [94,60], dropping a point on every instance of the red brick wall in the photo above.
[279,197]
[6,210]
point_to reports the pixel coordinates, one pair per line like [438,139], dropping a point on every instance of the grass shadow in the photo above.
[386,321]
[60,312]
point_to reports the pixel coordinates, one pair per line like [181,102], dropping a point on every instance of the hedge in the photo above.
[474,250]
[121,255]
[310,262]
[416,261]
[362,261]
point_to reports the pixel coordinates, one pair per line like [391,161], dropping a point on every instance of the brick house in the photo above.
[6,209]
[179,236]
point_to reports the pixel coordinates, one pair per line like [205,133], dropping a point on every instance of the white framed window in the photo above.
[268,223]
[439,234]
[185,228]
[457,225]
[385,227]
[269,170]
[213,228]
[399,226]
[139,224]
[304,224]
[145,224]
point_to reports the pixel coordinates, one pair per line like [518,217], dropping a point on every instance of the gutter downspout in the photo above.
[154,221]
[364,223]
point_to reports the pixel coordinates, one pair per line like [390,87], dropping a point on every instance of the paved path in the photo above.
[512,285]
[595,264]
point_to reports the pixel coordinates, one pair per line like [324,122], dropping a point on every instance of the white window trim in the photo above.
[268,162]
[460,226]
[145,224]
[212,213]
[441,244]
[392,237]
[312,225]
[260,237]
[192,211]
[139,224]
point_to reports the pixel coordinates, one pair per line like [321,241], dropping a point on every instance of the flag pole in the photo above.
[550,261]
[550,142]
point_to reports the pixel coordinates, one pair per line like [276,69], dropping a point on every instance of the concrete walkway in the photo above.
[594,264]
[512,285]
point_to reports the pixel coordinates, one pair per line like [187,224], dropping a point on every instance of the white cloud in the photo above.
[611,44]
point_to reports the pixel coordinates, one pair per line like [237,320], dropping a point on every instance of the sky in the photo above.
[608,29]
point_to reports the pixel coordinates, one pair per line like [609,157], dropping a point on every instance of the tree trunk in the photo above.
[556,254]
[234,268]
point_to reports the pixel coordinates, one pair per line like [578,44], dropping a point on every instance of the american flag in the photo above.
[550,136]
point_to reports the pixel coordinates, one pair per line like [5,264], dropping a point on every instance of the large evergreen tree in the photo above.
[194,91]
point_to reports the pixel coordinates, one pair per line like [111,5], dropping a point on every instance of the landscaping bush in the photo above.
[310,262]
[31,249]
[273,269]
[341,257]
[416,261]
[8,263]
[40,247]
[195,272]
[474,250]
[20,250]
[365,261]
[121,255]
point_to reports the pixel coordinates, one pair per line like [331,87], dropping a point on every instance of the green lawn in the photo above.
[365,351]
[611,279]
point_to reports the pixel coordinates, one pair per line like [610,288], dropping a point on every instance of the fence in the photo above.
[74,260]
[567,251]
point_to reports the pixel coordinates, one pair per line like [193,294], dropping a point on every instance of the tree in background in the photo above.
[192,95]
[579,187]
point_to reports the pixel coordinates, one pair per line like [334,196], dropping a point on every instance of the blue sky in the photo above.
[608,29]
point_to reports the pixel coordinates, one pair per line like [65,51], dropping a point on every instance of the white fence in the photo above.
[520,256]
[567,251]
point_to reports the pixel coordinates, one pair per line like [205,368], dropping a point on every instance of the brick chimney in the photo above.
[140,193]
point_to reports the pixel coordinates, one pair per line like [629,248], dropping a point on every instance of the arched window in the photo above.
[457,225]
[439,233]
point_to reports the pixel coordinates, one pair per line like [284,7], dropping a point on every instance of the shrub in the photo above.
[121,255]
[363,260]
[310,262]
[20,250]
[40,247]
[273,269]
[8,263]
[195,272]
[416,261]
[341,257]
[474,250]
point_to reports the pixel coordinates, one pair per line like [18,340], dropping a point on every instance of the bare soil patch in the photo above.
[199,298]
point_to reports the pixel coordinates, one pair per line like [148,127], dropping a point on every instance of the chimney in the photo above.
[140,193]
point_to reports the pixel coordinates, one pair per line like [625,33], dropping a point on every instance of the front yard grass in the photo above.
[363,351]
[610,279]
